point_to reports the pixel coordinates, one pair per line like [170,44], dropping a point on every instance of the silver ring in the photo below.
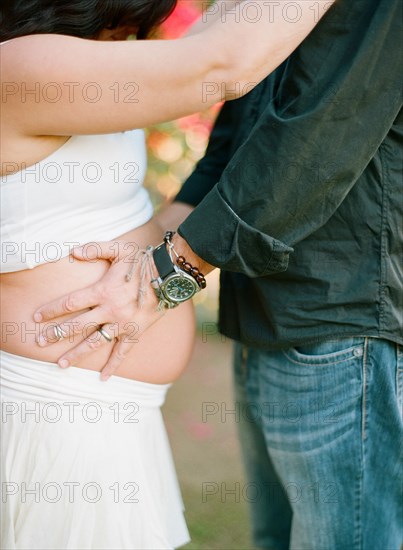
[105,334]
[59,332]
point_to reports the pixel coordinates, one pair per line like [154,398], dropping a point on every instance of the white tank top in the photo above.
[88,190]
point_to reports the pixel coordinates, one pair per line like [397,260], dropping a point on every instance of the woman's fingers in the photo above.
[91,296]
[125,343]
[109,250]
[119,353]
[96,251]
[124,336]
[70,303]
[83,325]
[100,337]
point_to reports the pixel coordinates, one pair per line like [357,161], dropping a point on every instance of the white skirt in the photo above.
[85,464]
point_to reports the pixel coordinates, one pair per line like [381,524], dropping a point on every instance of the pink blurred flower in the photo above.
[195,428]
[181,19]
[201,431]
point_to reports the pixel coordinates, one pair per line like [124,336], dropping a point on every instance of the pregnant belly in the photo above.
[158,355]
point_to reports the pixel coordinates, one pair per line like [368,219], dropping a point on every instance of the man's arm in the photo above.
[309,147]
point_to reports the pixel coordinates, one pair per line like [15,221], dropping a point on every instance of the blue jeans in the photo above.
[321,434]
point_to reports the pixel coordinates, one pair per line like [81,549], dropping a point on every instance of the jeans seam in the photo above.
[358,514]
[360,484]
[364,391]
[398,381]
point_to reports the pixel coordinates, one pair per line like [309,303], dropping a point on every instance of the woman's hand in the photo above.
[112,304]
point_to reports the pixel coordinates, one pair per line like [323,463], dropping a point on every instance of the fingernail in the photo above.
[63,363]
[37,317]
[77,250]
[104,377]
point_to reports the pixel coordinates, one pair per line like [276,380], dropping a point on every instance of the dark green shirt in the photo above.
[299,197]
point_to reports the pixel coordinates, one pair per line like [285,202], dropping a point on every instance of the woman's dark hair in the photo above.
[81,18]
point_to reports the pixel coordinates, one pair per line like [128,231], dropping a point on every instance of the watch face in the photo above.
[180,288]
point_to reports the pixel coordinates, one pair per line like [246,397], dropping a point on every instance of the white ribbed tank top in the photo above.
[90,189]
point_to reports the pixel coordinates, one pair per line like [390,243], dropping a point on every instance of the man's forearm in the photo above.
[183,249]
[172,215]
[169,218]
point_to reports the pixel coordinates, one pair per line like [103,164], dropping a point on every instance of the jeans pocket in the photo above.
[328,352]
[311,400]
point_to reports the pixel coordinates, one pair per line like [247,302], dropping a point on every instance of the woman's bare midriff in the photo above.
[160,354]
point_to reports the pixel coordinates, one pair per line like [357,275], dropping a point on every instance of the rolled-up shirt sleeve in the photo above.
[338,97]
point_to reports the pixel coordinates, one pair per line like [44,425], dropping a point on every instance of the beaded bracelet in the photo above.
[183,264]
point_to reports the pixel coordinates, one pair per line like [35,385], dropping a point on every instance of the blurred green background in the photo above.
[205,446]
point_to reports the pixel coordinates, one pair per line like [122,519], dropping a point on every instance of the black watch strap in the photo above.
[163,261]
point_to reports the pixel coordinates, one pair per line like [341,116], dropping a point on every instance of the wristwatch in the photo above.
[174,285]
